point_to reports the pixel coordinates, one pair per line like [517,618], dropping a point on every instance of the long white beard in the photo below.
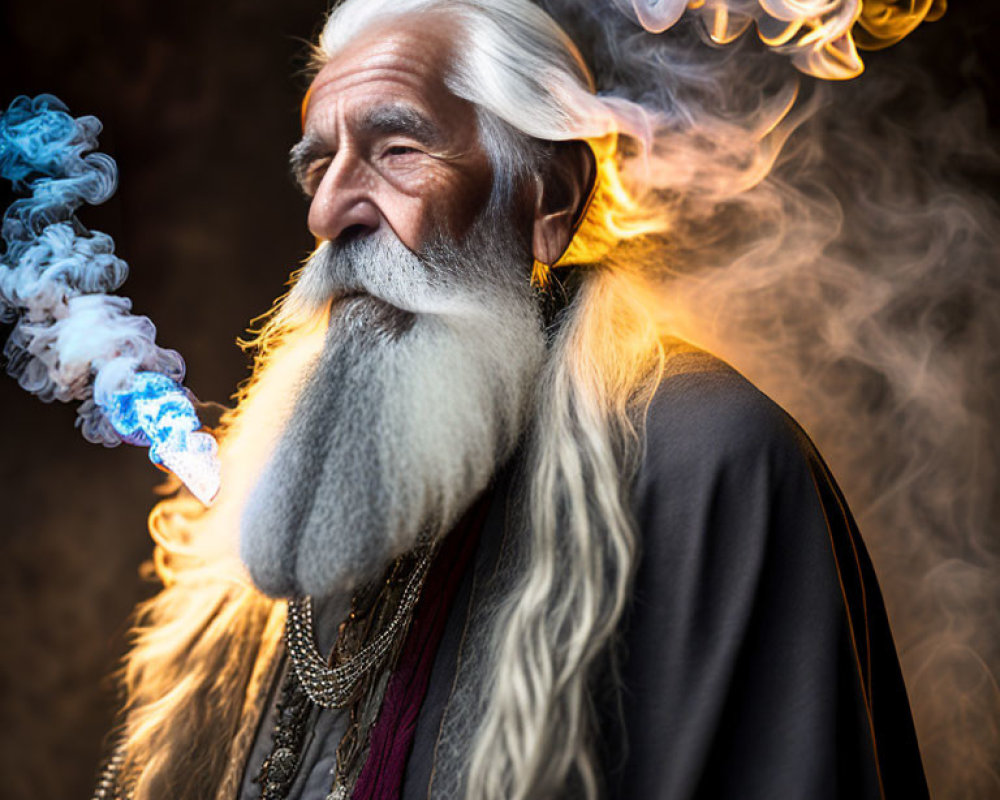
[420,392]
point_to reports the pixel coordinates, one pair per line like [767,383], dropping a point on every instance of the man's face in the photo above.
[387,144]
[424,381]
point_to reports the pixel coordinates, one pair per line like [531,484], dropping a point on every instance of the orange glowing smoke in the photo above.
[821,36]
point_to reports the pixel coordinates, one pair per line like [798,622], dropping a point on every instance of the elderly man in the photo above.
[505,537]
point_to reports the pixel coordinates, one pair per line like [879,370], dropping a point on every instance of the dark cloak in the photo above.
[756,659]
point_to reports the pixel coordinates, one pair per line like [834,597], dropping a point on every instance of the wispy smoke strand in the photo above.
[72,339]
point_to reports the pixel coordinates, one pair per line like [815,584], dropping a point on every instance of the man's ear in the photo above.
[562,192]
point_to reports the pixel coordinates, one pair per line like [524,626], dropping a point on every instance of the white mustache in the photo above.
[447,280]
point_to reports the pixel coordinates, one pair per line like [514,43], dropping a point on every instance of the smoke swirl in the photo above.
[72,339]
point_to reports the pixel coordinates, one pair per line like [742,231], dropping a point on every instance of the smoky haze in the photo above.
[857,286]
[858,283]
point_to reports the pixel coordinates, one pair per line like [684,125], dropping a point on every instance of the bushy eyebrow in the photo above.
[401,120]
[386,120]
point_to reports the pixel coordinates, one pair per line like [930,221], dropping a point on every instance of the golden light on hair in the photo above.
[198,641]
[612,214]
[541,275]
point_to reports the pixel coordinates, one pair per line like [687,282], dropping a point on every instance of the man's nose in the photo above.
[343,201]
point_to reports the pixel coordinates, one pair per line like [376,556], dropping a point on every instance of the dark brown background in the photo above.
[199,102]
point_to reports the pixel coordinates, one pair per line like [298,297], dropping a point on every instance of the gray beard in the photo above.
[421,391]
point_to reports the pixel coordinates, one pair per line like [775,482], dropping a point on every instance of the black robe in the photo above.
[756,658]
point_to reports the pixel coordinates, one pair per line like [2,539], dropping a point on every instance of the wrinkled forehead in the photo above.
[406,60]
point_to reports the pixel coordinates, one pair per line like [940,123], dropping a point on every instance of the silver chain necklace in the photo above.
[333,687]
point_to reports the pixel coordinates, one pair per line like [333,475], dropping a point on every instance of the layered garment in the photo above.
[756,659]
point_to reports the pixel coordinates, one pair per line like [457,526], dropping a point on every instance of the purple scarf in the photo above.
[392,736]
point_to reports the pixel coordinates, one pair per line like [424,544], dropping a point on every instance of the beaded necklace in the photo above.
[368,644]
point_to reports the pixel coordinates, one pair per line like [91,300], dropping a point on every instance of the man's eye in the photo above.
[399,150]
[313,175]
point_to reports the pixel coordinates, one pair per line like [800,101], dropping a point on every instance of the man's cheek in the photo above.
[432,204]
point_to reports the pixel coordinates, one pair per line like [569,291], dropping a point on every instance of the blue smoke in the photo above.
[73,339]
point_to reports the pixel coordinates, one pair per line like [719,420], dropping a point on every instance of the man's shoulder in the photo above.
[724,467]
[705,415]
